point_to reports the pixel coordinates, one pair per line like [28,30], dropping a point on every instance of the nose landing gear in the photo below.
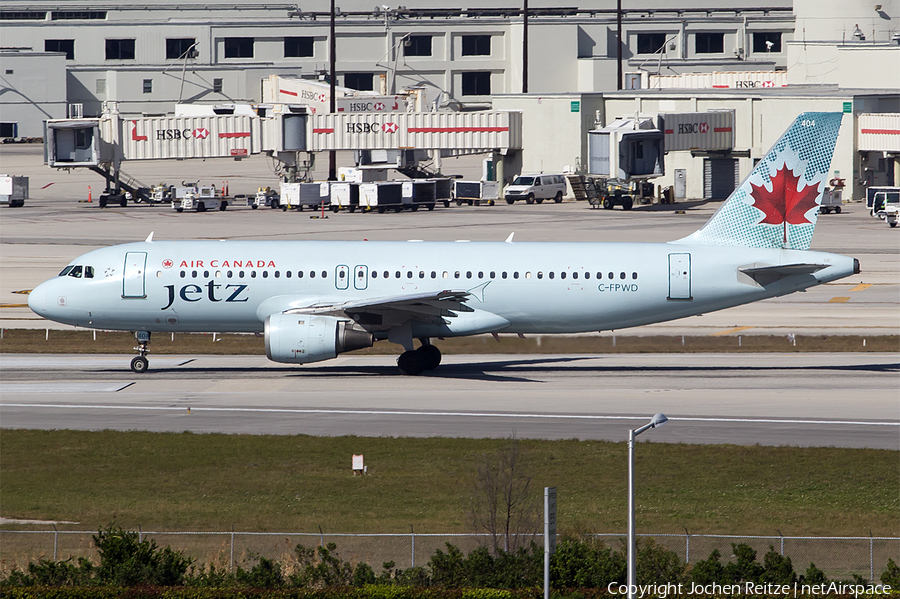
[141,363]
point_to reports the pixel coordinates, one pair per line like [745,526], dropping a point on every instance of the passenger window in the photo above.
[456,275]
[218,274]
[229,274]
[252,274]
[516,275]
[446,275]
[183,274]
[575,275]
[421,274]
[324,274]
[408,274]
[599,275]
[341,274]
[480,274]
[612,275]
[551,274]
[621,275]
[299,274]
[634,275]
[193,274]
[587,275]
[75,272]
[287,273]
[527,275]
[205,274]
[387,275]
[468,274]
[540,275]
[66,271]
[503,274]
[277,274]
[433,274]
[493,275]
[265,274]
[89,272]
[397,275]
[312,274]
[374,274]
[562,275]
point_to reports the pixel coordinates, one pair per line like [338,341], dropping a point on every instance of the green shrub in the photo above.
[891,575]
[127,561]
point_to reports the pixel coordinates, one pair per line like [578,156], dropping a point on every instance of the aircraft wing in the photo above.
[766,275]
[386,312]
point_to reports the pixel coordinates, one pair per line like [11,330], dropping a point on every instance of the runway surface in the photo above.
[845,400]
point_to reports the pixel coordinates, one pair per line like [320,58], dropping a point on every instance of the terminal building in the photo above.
[560,66]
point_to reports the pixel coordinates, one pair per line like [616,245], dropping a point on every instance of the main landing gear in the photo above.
[141,363]
[426,357]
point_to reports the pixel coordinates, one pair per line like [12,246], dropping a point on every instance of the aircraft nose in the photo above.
[37,300]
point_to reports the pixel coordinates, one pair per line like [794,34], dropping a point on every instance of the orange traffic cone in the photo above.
[89,195]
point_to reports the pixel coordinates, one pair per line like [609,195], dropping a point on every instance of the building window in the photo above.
[476,45]
[238,47]
[767,41]
[77,15]
[217,85]
[67,46]
[179,48]
[359,81]
[148,86]
[417,45]
[709,43]
[650,43]
[25,15]
[9,130]
[298,47]
[476,83]
[119,49]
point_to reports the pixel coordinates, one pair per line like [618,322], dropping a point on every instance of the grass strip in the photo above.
[213,482]
[103,342]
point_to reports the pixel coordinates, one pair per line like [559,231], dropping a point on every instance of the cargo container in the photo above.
[344,195]
[298,195]
[382,196]
[13,190]
[698,130]
[419,192]
[474,192]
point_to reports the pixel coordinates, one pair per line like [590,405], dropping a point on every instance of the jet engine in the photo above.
[304,338]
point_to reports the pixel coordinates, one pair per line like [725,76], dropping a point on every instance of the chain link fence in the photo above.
[838,557]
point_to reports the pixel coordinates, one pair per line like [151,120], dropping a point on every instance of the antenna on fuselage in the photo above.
[149,238]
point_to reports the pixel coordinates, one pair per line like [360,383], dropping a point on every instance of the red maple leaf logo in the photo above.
[785,204]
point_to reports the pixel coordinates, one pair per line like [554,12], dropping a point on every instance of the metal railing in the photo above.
[837,557]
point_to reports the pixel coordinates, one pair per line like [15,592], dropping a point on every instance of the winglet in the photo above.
[509,239]
[149,238]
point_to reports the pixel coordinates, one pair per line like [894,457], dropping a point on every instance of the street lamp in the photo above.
[657,420]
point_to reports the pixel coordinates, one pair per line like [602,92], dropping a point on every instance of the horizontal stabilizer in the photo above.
[766,275]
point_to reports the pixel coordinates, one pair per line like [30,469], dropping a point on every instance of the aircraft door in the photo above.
[679,277]
[361,277]
[133,277]
[342,277]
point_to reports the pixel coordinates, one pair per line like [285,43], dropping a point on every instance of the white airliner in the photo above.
[317,299]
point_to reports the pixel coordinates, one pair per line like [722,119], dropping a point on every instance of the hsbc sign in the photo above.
[172,134]
[698,130]
[372,127]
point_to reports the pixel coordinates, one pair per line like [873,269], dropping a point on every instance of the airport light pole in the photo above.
[657,420]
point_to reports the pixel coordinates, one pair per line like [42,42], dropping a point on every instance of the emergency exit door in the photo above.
[133,277]
[679,277]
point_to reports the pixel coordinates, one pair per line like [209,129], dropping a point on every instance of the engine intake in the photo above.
[305,338]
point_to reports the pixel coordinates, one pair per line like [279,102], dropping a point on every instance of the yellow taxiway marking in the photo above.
[13,305]
[861,286]
[729,331]
[839,300]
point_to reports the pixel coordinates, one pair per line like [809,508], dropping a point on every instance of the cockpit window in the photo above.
[88,272]
[75,272]
[65,271]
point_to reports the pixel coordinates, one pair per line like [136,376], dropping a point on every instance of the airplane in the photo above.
[314,300]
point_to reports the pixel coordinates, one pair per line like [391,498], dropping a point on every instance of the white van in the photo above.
[538,188]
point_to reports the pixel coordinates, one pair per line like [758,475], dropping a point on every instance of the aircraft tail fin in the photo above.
[777,204]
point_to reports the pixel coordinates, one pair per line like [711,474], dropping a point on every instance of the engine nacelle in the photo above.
[304,338]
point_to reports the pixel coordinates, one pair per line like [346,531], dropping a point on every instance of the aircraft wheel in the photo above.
[140,364]
[431,356]
[410,363]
